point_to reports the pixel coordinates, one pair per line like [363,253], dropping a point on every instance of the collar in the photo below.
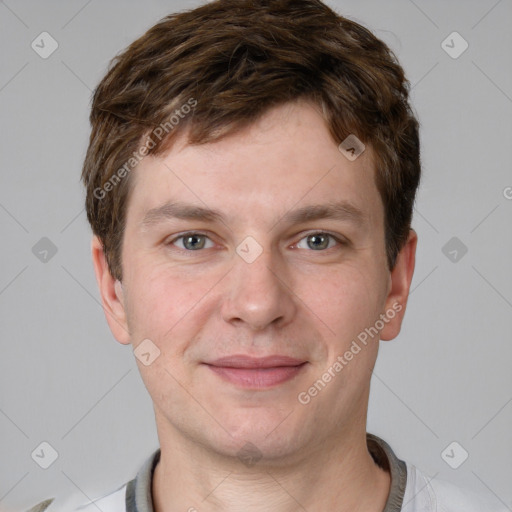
[139,497]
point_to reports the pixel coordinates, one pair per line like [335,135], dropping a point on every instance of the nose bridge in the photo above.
[257,294]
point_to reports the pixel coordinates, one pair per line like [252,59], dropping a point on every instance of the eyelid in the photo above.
[178,236]
[337,237]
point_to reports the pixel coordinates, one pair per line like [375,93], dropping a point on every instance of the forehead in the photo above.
[286,160]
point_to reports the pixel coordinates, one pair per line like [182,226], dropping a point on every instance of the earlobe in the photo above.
[111,291]
[400,279]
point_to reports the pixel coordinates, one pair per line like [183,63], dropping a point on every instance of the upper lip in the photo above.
[243,361]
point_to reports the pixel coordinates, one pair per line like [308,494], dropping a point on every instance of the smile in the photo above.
[257,373]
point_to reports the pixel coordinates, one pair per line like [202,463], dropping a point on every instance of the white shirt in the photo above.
[411,490]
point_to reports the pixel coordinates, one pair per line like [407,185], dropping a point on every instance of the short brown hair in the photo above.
[235,59]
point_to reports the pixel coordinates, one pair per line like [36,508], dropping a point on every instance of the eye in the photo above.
[319,241]
[192,242]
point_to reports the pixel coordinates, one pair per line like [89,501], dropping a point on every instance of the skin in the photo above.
[293,299]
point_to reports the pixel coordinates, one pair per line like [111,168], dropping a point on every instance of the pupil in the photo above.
[191,242]
[322,239]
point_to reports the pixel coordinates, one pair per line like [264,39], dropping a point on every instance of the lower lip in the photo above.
[257,378]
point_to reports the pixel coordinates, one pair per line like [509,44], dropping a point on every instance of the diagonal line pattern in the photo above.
[81,490]
[14,423]
[486,14]
[405,405]
[424,14]
[292,497]
[416,494]
[14,218]
[94,298]
[280,423]
[12,488]
[217,486]
[501,409]
[14,76]
[72,220]
[74,16]
[492,211]
[13,279]
[71,71]
[105,394]
[13,13]
[426,220]
[492,81]
[424,279]
[491,490]
[424,76]
[494,288]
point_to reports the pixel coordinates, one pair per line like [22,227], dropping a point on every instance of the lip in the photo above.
[257,372]
[243,361]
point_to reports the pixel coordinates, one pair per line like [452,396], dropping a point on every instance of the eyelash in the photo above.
[340,241]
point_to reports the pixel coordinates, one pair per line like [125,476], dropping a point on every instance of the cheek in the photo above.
[346,300]
[163,300]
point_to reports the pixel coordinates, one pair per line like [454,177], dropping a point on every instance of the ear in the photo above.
[111,294]
[400,282]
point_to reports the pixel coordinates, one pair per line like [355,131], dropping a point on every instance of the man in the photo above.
[250,179]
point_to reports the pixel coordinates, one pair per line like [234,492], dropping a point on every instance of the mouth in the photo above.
[257,373]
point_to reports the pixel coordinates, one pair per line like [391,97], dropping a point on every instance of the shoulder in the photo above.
[426,494]
[114,501]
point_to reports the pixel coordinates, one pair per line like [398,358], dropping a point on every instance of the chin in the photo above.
[257,436]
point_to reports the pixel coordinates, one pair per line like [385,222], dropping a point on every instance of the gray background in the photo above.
[66,381]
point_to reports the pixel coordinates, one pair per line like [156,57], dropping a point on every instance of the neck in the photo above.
[342,477]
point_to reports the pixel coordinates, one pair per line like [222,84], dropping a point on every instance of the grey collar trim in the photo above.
[386,459]
[139,496]
[139,490]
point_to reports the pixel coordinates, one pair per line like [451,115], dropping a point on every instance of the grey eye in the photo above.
[192,241]
[318,241]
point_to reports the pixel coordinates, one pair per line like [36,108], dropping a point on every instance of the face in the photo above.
[266,244]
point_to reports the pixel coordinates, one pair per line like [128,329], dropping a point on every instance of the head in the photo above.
[223,124]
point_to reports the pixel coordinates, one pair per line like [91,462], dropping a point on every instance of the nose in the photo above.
[257,294]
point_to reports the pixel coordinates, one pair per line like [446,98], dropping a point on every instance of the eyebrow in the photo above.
[178,210]
[340,210]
